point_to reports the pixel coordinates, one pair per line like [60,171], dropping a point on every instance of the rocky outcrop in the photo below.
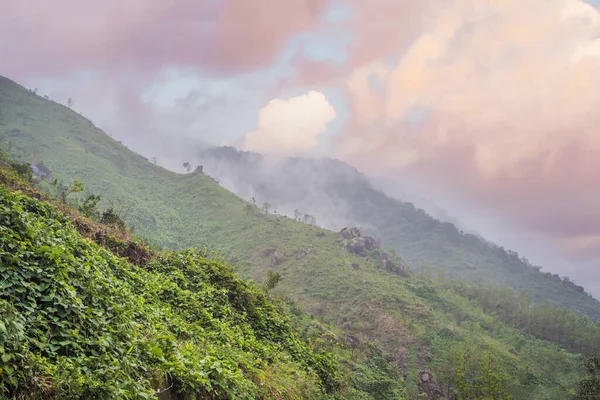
[401,270]
[349,233]
[385,262]
[355,243]
[278,258]
[429,386]
[359,245]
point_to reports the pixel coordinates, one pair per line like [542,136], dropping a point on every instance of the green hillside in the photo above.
[442,337]
[323,187]
[72,314]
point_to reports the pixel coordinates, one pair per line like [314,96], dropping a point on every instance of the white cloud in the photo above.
[291,126]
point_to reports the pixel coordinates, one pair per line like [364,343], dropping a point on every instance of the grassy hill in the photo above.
[415,325]
[72,314]
[337,195]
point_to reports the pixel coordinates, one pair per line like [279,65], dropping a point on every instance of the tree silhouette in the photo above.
[266,206]
[187,166]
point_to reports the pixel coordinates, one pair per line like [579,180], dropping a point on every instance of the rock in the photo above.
[345,234]
[370,243]
[301,253]
[40,170]
[278,258]
[349,233]
[355,266]
[400,270]
[429,386]
[360,244]
[355,246]
[268,252]
[352,340]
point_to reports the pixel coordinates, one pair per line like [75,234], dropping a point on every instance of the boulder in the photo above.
[359,245]
[278,258]
[429,386]
[349,233]
[370,243]
[401,270]
[345,234]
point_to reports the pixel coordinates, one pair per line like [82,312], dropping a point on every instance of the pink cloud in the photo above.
[512,92]
[53,38]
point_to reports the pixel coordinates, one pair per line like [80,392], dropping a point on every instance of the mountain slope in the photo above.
[337,194]
[418,324]
[71,313]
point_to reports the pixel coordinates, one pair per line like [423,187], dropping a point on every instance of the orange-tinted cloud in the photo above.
[291,126]
[512,91]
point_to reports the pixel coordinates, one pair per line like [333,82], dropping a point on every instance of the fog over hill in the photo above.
[329,190]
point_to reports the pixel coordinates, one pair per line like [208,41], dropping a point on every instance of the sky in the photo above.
[489,108]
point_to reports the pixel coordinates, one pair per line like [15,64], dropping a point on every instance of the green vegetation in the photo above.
[589,387]
[73,314]
[391,336]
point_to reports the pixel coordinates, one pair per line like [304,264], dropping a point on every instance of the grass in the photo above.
[395,317]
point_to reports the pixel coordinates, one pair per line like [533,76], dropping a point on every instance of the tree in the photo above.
[467,372]
[266,206]
[297,215]
[309,219]
[24,170]
[187,166]
[76,187]
[273,278]
[116,213]
[70,102]
[589,387]
[89,208]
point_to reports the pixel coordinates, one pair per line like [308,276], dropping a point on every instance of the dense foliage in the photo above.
[73,314]
[574,331]
[589,387]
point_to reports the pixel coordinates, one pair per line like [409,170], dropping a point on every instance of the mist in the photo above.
[327,189]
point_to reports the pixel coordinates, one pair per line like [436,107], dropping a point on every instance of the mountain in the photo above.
[338,195]
[398,330]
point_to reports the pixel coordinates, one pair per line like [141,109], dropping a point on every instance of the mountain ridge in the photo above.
[326,188]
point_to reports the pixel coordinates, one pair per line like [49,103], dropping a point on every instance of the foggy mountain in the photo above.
[337,195]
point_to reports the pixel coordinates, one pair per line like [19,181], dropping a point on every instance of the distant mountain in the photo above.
[338,195]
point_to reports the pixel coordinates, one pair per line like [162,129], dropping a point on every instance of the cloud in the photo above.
[511,89]
[223,37]
[291,126]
